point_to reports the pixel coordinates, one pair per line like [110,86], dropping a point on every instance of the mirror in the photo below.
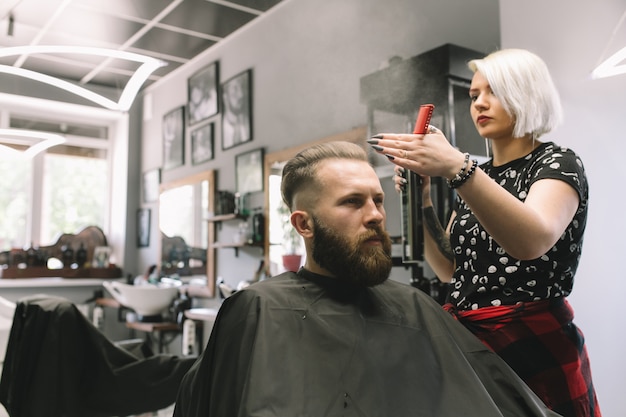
[274,226]
[186,236]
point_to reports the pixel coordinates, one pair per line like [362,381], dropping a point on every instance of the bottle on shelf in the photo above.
[68,256]
[81,255]
[258,226]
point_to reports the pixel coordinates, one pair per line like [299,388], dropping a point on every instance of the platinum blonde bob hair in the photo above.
[522,83]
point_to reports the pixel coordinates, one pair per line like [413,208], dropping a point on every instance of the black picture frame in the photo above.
[202,94]
[150,182]
[143,227]
[173,130]
[236,95]
[249,171]
[202,141]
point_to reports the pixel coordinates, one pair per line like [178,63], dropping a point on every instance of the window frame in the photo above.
[117,124]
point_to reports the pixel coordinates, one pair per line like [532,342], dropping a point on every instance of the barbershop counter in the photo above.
[76,290]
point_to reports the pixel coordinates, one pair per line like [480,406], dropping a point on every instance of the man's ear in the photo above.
[302,222]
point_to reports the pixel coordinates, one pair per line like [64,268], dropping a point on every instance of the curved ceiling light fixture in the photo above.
[34,140]
[616,63]
[611,66]
[147,67]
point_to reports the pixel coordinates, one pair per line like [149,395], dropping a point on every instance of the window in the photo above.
[69,186]
[61,190]
[73,193]
[14,203]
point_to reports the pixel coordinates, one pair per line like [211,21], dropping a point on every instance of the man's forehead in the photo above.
[343,164]
[346,172]
[337,178]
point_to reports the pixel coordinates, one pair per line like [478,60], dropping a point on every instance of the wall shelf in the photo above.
[226,217]
[43,272]
[236,246]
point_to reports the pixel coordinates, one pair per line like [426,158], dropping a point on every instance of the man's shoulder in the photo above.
[289,286]
[278,284]
[286,279]
[397,286]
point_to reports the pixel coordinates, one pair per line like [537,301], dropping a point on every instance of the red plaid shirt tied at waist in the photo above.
[543,346]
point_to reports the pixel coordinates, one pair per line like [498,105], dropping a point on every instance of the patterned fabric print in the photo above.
[544,347]
[485,274]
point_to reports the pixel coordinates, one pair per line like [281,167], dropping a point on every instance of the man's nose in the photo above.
[375,213]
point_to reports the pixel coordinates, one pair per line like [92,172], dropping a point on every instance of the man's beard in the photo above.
[353,262]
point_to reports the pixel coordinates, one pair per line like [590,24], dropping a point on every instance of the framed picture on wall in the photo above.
[202,98]
[202,144]
[249,171]
[237,110]
[151,182]
[174,138]
[143,228]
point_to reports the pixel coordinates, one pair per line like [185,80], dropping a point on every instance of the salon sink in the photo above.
[145,300]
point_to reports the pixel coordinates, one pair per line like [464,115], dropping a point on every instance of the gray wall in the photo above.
[308,56]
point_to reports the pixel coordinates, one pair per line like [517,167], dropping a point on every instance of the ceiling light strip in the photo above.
[611,66]
[46,140]
[65,85]
[134,84]
[148,66]
[615,29]
[57,12]
[144,29]
[237,7]
[190,32]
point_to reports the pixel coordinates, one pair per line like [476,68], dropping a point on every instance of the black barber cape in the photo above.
[299,345]
[59,365]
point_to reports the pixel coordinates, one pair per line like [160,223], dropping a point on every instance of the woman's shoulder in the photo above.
[556,161]
[554,150]
[552,155]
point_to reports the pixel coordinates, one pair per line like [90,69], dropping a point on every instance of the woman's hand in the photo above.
[400,182]
[399,179]
[428,155]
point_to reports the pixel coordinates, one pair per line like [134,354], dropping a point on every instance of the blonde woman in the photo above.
[514,240]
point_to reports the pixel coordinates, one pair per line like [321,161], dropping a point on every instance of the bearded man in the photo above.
[338,338]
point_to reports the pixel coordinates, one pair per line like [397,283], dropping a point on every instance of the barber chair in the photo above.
[58,364]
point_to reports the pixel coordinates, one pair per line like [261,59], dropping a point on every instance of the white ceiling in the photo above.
[174,31]
[178,30]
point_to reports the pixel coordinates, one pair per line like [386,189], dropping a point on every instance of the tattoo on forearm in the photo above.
[436,231]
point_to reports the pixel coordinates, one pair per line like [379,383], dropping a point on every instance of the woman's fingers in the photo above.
[399,179]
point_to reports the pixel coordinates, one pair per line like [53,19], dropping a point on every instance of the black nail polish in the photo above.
[377,137]
[391,157]
[377,148]
[372,141]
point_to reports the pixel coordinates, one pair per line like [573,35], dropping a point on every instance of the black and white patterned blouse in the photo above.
[485,274]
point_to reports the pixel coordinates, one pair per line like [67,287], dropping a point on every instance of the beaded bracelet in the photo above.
[454,183]
[459,176]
